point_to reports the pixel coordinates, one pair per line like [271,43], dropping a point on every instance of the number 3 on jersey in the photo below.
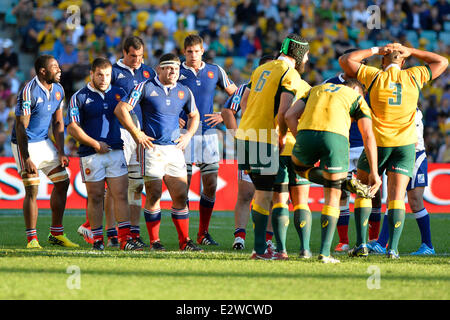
[397,93]
[262,80]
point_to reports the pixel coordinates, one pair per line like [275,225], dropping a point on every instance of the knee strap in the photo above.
[135,185]
[334,184]
[59,176]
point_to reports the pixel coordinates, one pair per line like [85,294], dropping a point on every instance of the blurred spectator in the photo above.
[36,25]
[167,17]
[8,58]
[46,39]
[222,17]
[4,111]
[443,7]
[223,45]
[246,12]
[202,20]
[444,150]
[237,30]
[69,57]
[250,44]
[360,14]
[23,12]
[269,10]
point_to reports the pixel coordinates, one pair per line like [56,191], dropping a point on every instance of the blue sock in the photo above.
[383,238]
[423,221]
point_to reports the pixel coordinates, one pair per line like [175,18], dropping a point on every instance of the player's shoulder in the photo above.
[182,87]
[118,90]
[58,87]
[335,80]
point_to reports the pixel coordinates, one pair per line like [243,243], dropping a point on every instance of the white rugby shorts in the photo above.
[203,149]
[43,154]
[162,160]
[97,167]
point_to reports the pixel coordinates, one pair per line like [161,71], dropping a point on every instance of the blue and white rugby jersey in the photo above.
[127,78]
[93,110]
[203,86]
[161,107]
[40,104]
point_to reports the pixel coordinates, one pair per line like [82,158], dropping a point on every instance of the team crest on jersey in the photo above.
[181,94]
[87,171]
[135,94]
[117,97]
[236,99]
[74,112]
[210,74]
[58,95]
[146,74]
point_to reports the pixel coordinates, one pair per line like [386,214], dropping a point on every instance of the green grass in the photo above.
[218,273]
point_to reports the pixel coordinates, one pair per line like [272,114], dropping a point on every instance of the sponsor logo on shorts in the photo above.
[333,168]
[400,169]
[421,178]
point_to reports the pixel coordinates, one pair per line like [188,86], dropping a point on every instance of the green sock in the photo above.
[328,221]
[302,222]
[396,216]
[280,223]
[363,209]
[260,225]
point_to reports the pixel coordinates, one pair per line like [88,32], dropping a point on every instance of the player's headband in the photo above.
[169,63]
[285,45]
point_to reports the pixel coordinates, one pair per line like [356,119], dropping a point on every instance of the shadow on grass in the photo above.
[316,274]
[210,255]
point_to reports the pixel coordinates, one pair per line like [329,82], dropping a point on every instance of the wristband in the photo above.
[375,50]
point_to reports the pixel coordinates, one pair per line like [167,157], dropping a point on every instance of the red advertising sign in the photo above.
[12,192]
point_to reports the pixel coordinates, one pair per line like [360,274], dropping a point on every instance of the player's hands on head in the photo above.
[102,147]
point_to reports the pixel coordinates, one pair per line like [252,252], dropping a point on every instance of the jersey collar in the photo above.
[341,77]
[123,65]
[393,65]
[102,94]
[47,93]
[292,65]
[202,66]
[166,88]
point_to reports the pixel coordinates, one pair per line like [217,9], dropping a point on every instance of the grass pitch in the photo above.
[219,273]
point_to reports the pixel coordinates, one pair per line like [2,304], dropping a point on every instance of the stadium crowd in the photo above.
[236,35]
